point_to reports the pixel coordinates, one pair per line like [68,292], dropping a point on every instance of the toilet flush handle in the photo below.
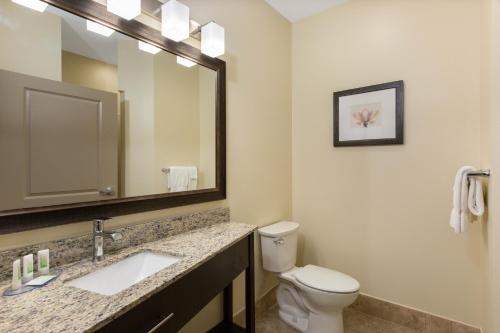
[279,241]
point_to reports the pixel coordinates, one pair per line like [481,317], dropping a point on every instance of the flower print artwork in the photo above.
[366,115]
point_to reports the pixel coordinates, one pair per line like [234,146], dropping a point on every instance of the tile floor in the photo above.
[354,322]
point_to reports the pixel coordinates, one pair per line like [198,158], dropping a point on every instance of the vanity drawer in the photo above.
[171,308]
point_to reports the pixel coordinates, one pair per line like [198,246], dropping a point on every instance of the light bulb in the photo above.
[99,29]
[37,5]
[127,9]
[185,62]
[146,47]
[175,20]
[213,40]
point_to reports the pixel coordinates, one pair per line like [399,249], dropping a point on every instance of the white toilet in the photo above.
[310,298]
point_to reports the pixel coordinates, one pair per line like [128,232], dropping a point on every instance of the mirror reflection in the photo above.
[90,114]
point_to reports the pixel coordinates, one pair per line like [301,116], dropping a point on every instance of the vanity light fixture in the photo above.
[175,20]
[185,62]
[37,5]
[99,28]
[212,40]
[127,9]
[146,47]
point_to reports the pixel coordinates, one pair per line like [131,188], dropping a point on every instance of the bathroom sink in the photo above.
[123,274]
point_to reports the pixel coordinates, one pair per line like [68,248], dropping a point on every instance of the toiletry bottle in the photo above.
[43,262]
[28,268]
[16,275]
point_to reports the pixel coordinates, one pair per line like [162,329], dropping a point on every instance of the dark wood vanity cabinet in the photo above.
[168,310]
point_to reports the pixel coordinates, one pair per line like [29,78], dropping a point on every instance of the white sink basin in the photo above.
[119,276]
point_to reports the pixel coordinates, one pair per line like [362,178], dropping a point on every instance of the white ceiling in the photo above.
[296,10]
[77,39]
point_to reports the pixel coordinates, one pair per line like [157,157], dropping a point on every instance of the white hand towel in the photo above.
[476,197]
[183,178]
[460,215]
[178,179]
[193,178]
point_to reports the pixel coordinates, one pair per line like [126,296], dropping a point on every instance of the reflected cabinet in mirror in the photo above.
[97,121]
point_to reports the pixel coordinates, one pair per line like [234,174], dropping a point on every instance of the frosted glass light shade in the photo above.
[175,20]
[37,5]
[146,47]
[213,40]
[99,29]
[128,9]
[185,62]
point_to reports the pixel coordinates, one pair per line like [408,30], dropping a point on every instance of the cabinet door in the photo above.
[58,142]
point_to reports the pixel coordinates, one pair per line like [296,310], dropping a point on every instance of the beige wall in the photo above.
[490,154]
[259,131]
[207,86]
[381,213]
[31,41]
[258,61]
[138,114]
[90,73]
[177,116]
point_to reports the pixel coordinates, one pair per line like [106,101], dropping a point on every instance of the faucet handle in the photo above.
[115,236]
[103,219]
[99,223]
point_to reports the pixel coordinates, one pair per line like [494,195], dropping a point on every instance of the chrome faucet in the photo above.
[98,238]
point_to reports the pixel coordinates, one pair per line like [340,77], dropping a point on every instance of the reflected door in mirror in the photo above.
[60,140]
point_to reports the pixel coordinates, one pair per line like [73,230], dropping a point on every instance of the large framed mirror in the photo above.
[100,116]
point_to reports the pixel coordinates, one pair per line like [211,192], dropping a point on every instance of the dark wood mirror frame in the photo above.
[40,217]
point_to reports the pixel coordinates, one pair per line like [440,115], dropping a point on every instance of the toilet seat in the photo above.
[326,280]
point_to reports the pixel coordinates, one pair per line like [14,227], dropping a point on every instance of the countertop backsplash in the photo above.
[73,249]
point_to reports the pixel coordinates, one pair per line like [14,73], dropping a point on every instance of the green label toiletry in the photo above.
[16,275]
[43,261]
[28,268]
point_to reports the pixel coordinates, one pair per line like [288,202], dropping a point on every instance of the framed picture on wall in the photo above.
[369,116]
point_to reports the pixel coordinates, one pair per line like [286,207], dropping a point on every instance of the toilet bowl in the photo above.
[310,298]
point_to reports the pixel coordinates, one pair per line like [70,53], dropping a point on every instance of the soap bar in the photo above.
[41,280]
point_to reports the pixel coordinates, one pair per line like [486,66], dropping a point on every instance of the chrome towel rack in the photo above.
[479,173]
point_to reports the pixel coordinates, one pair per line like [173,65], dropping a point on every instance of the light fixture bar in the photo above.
[146,47]
[37,5]
[185,62]
[99,28]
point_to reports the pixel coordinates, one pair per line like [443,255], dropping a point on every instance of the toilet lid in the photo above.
[279,229]
[327,280]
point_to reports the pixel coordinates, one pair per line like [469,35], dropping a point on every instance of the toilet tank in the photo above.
[279,246]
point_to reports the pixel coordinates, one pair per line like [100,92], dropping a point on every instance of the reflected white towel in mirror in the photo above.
[182,178]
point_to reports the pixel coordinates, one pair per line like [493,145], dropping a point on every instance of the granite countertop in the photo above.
[60,308]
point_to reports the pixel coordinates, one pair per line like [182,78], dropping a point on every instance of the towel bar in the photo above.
[479,173]
[166,170]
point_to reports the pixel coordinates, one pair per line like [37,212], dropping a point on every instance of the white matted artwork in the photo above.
[369,116]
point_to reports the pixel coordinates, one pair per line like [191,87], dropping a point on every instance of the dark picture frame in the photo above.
[363,121]
[40,217]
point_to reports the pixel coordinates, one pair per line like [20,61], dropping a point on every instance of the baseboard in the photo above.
[414,319]
[411,318]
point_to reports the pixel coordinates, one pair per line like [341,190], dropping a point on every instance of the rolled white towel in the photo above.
[476,198]
[460,215]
